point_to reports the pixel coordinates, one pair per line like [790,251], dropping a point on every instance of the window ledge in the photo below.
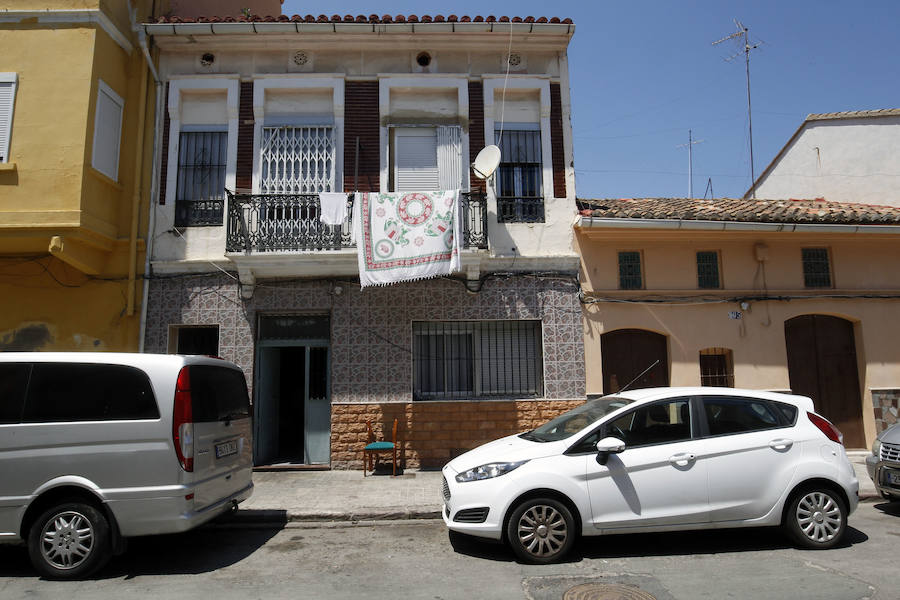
[105,179]
[8,167]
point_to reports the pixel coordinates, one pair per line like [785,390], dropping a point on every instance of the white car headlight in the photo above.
[488,471]
[876,448]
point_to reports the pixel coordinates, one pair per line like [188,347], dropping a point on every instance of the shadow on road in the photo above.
[678,543]
[222,543]
[889,508]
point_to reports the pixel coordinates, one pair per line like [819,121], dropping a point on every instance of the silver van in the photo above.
[99,447]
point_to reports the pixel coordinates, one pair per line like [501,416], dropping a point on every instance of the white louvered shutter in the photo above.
[107,132]
[7,101]
[449,157]
[415,159]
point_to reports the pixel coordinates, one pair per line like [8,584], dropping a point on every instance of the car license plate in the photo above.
[893,477]
[226,449]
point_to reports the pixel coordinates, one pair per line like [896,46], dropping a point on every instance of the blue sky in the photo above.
[643,73]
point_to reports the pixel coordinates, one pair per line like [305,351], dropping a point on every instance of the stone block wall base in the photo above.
[887,406]
[432,433]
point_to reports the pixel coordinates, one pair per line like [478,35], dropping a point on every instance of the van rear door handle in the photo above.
[781,444]
[682,460]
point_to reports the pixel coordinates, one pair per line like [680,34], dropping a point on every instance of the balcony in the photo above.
[275,223]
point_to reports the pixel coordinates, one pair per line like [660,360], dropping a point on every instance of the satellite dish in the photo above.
[486,162]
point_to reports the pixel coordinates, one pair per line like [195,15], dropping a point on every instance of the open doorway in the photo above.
[292,404]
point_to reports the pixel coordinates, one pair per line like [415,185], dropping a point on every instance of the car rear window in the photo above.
[218,394]
[60,392]
[13,381]
[730,415]
[789,411]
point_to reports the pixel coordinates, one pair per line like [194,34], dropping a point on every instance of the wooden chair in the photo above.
[374,448]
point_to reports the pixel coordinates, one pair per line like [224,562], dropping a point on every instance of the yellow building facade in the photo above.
[77,106]
[790,296]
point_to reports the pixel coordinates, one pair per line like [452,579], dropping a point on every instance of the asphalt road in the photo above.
[417,559]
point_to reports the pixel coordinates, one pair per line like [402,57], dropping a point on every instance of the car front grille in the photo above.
[890,452]
[472,515]
[445,489]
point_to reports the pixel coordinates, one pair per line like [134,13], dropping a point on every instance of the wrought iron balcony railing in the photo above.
[288,222]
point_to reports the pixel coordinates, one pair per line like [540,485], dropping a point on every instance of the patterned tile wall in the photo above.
[371,332]
[887,405]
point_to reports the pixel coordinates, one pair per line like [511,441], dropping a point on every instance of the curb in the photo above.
[282,517]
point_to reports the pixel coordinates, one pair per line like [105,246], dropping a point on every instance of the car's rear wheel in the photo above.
[541,530]
[816,518]
[69,541]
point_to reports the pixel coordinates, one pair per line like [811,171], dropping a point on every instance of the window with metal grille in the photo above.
[708,270]
[630,271]
[475,359]
[297,160]
[200,193]
[520,197]
[816,268]
[716,367]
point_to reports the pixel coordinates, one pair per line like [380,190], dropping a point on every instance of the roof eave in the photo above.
[586,222]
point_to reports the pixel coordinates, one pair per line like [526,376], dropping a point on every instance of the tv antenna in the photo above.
[743,34]
[709,189]
[690,147]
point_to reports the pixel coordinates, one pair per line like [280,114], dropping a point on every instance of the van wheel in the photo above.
[69,541]
[816,518]
[541,530]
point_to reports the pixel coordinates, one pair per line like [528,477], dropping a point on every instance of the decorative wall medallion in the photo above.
[515,60]
[300,58]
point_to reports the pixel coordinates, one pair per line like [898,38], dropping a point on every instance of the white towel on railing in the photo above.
[334,208]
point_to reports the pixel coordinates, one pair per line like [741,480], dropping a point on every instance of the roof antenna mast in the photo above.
[743,33]
[690,147]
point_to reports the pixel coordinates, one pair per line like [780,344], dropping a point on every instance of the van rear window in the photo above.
[60,392]
[218,393]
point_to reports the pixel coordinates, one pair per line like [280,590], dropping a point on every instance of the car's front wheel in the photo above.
[816,518]
[541,530]
[69,541]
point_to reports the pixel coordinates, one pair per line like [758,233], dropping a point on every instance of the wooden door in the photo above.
[821,353]
[628,352]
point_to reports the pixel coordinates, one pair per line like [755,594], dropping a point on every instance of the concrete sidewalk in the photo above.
[283,496]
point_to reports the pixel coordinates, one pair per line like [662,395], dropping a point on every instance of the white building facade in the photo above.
[262,115]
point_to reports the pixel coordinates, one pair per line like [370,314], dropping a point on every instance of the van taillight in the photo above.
[831,432]
[183,421]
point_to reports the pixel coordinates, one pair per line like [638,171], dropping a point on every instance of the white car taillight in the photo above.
[183,421]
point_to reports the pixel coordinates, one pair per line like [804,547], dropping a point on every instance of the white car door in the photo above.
[657,480]
[751,455]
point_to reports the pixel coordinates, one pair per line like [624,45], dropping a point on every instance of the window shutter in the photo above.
[449,157]
[415,160]
[107,132]
[7,100]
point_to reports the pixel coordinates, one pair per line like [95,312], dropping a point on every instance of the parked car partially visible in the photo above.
[883,464]
[99,447]
[660,459]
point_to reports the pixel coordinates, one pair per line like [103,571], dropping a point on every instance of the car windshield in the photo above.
[567,424]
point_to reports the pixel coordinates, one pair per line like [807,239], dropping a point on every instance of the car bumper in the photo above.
[462,511]
[878,470]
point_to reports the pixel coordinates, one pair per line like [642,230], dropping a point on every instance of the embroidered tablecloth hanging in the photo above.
[403,236]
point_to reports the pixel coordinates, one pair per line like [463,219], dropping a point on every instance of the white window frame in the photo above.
[229,84]
[112,170]
[493,86]
[388,81]
[6,126]
[299,83]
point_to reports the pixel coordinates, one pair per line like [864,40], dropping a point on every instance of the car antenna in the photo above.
[656,362]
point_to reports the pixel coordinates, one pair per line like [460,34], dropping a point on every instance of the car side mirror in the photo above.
[607,446]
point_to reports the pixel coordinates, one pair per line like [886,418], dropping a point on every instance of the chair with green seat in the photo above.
[374,448]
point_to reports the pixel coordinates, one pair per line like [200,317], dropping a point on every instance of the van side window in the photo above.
[61,392]
[730,415]
[13,380]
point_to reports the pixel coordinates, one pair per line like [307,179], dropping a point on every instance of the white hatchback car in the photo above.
[659,459]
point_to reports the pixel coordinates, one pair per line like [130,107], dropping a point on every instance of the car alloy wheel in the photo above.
[541,530]
[817,518]
[68,541]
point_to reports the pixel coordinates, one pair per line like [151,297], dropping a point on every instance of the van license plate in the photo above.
[226,449]
[893,477]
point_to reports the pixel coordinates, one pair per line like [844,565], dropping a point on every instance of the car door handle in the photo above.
[781,444]
[682,460]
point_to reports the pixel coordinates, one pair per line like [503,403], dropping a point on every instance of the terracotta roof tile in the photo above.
[855,114]
[816,211]
[370,19]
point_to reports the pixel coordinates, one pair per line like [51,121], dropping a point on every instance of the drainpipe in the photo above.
[154,182]
[136,196]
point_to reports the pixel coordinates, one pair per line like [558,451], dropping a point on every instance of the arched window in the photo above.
[716,367]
